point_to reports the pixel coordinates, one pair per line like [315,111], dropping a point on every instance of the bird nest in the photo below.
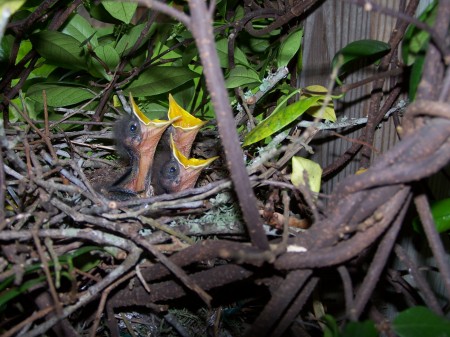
[79,252]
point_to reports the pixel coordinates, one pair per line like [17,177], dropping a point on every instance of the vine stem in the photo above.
[203,34]
[201,26]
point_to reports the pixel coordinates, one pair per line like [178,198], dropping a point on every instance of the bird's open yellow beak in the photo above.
[152,130]
[185,126]
[190,168]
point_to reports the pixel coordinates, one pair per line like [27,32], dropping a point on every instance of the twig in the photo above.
[47,273]
[176,270]
[168,10]
[279,302]
[295,307]
[379,260]
[434,240]
[34,317]
[348,289]
[103,299]
[429,298]
[90,295]
[203,34]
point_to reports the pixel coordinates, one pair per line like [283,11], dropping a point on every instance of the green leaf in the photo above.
[415,40]
[240,76]
[289,47]
[314,171]
[420,322]
[98,12]
[414,47]
[122,11]
[367,50]
[110,58]
[127,41]
[259,44]
[81,30]
[279,119]
[6,45]
[9,7]
[331,328]
[440,211]
[159,80]
[222,51]
[16,291]
[59,49]
[358,329]
[415,76]
[328,113]
[108,55]
[59,94]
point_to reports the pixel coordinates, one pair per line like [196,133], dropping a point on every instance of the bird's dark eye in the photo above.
[133,127]
[170,170]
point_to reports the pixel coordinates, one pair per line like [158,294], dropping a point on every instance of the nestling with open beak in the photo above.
[127,132]
[173,171]
[158,152]
[137,136]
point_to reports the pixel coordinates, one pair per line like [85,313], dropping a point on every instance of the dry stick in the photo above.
[434,240]
[103,299]
[176,270]
[38,315]
[381,256]
[47,130]
[47,273]
[291,12]
[198,193]
[348,288]
[282,246]
[429,297]
[445,92]
[36,129]
[203,34]
[347,155]
[295,308]
[273,310]
[2,187]
[90,295]
[351,140]
[350,86]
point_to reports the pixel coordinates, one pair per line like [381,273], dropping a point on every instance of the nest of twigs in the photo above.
[86,262]
[53,210]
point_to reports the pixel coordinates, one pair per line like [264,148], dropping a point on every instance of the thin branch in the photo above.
[215,82]
[423,207]
[429,298]
[379,260]
[348,289]
[168,10]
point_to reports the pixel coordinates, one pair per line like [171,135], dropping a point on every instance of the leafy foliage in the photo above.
[420,321]
[366,51]
[415,45]
[351,329]
[440,211]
